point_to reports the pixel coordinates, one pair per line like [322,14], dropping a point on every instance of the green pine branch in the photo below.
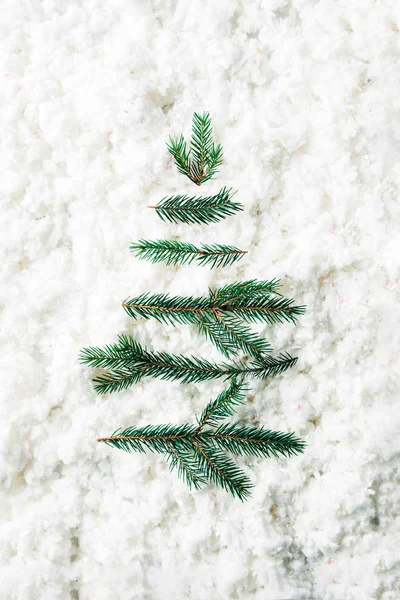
[180,154]
[126,363]
[250,307]
[220,316]
[223,406]
[219,469]
[175,252]
[197,209]
[230,336]
[234,291]
[200,163]
[251,441]
[198,453]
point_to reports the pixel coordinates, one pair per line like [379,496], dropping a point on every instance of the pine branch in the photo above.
[201,162]
[197,209]
[139,362]
[182,253]
[223,406]
[229,335]
[213,333]
[156,438]
[180,154]
[187,465]
[198,454]
[166,309]
[215,159]
[222,471]
[246,305]
[253,441]
[112,356]
[252,287]
[219,316]
[263,309]
[201,145]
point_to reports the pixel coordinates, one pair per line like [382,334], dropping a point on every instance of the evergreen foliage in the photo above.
[182,253]
[197,209]
[198,453]
[220,315]
[127,362]
[200,163]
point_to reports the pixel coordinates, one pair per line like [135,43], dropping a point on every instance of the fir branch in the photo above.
[222,471]
[215,159]
[197,209]
[201,145]
[139,363]
[112,356]
[263,309]
[214,333]
[187,465]
[239,336]
[180,154]
[155,438]
[246,305]
[223,406]
[219,316]
[116,380]
[201,162]
[199,453]
[166,309]
[229,335]
[252,287]
[182,253]
[254,441]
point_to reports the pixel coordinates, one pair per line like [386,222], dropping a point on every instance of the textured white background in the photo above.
[304,97]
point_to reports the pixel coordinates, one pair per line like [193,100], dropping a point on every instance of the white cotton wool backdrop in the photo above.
[305,98]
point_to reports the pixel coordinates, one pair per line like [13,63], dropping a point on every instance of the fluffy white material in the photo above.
[304,98]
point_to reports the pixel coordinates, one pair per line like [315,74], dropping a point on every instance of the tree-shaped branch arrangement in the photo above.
[221,315]
[199,452]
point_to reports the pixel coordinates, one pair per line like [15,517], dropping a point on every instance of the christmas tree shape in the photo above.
[199,453]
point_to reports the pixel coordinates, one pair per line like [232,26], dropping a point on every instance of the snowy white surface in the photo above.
[304,97]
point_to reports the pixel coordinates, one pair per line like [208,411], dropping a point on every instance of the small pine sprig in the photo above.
[127,362]
[177,147]
[198,453]
[233,291]
[224,405]
[174,252]
[200,163]
[197,209]
[230,336]
[220,316]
